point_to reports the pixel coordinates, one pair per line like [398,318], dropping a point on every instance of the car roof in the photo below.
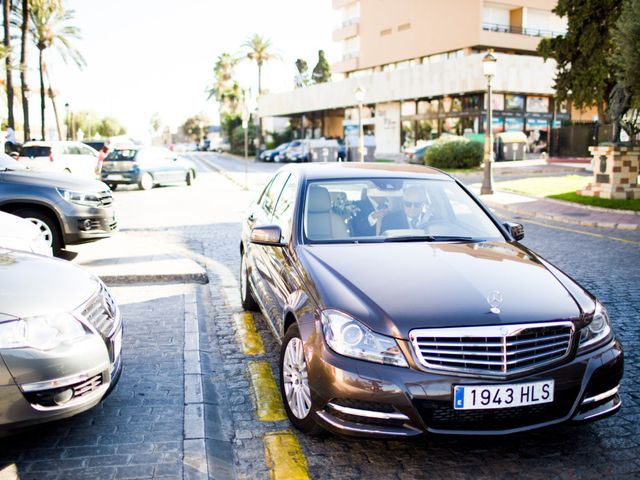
[346,170]
[50,143]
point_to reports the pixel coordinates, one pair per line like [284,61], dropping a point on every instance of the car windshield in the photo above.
[393,210]
[124,154]
[10,163]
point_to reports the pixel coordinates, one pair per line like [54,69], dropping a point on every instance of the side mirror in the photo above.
[267,235]
[515,229]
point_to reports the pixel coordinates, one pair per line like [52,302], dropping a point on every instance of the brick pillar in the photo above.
[615,172]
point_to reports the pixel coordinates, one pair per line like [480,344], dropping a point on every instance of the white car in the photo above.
[19,234]
[61,156]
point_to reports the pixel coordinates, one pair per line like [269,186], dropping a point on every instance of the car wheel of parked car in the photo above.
[189,178]
[146,181]
[246,297]
[46,224]
[294,383]
[113,186]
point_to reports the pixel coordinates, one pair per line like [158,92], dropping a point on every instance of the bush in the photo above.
[455,154]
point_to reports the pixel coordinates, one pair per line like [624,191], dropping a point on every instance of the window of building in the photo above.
[537,104]
[456,104]
[423,107]
[471,102]
[385,32]
[408,108]
[404,26]
[514,102]
[407,134]
[426,129]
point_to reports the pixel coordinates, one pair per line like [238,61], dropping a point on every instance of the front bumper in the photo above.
[59,383]
[358,398]
[85,224]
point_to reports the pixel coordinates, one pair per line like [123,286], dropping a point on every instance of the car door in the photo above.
[281,278]
[258,255]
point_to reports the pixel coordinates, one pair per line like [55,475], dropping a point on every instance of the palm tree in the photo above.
[49,24]
[24,32]
[258,49]
[6,10]
[225,90]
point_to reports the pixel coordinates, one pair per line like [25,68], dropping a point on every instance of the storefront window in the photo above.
[514,102]
[450,125]
[471,102]
[497,101]
[538,104]
[408,108]
[407,134]
[514,123]
[425,129]
[446,104]
[456,106]
[423,107]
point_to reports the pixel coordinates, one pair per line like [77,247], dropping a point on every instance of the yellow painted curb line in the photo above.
[248,336]
[284,457]
[268,402]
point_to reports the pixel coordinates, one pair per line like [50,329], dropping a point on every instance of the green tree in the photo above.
[584,54]
[50,27]
[195,127]
[225,89]
[626,58]
[259,50]
[91,125]
[302,78]
[322,70]
[110,127]
[155,122]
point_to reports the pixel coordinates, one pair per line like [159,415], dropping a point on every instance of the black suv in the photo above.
[67,209]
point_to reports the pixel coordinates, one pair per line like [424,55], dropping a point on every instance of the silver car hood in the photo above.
[49,179]
[35,285]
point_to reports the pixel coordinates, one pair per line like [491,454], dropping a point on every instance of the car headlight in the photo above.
[351,338]
[42,332]
[88,199]
[598,330]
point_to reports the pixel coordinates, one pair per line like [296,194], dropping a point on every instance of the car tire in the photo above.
[146,181]
[47,224]
[113,186]
[246,297]
[189,178]
[294,383]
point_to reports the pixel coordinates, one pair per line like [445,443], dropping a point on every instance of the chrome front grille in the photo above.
[495,350]
[86,387]
[100,311]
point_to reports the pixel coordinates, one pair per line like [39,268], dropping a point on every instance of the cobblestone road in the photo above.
[138,432]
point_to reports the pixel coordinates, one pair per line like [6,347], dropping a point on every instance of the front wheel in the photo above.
[113,186]
[48,226]
[294,383]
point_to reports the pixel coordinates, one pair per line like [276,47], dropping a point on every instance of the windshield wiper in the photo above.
[429,238]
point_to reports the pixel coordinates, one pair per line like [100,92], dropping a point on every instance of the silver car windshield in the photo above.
[393,209]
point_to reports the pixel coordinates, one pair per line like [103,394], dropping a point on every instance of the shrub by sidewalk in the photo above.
[454,154]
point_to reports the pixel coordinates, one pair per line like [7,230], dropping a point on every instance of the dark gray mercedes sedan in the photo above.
[60,340]
[404,306]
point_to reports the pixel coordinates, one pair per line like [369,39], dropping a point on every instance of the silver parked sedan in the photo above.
[60,340]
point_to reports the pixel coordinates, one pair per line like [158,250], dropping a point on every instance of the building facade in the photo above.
[420,65]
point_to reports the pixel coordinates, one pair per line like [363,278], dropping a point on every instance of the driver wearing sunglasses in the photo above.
[414,214]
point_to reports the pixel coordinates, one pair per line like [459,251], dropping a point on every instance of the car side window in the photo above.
[283,212]
[270,197]
[72,150]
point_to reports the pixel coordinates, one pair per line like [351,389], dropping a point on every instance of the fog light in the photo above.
[85,224]
[63,397]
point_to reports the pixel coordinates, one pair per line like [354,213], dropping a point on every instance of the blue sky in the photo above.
[147,56]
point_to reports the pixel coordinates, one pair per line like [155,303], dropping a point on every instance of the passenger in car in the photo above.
[370,212]
[415,213]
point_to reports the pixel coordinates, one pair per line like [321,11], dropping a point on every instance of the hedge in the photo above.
[455,154]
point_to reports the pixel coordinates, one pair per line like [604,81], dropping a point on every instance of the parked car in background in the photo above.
[60,340]
[18,233]
[61,156]
[436,320]
[65,208]
[417,155]
[312,150]
[270,155]
[146,167]
[219,145]
[96,144]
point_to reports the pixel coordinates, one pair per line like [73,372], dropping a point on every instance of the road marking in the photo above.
[268,402]
[598,235]
[247,334]
[284,457]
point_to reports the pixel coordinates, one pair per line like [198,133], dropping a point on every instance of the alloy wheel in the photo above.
[295,377]
[45,231]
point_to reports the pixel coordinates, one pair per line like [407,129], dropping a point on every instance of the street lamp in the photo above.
[489,69]
[359,93]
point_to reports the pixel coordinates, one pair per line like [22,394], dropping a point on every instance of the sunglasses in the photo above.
[413,204]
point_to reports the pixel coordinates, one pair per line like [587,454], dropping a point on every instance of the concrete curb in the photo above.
[152,279]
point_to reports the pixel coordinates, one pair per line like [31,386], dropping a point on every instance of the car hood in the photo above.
[52,179]
[396,287]
[36,285]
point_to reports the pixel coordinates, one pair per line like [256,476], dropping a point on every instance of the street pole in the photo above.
[245,126]
[489,66]
[359,93]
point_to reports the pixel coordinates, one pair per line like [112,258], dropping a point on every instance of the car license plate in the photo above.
[115,176]
[476,397]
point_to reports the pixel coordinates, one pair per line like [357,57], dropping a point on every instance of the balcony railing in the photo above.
[533,32]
